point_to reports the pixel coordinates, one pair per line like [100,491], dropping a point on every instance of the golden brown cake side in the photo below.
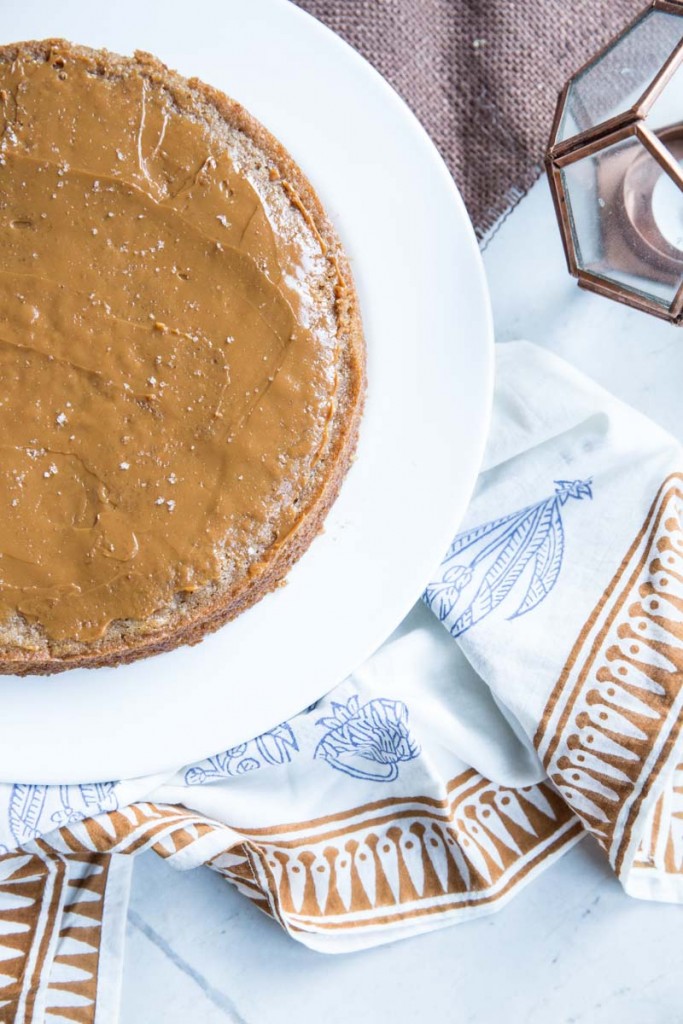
[292,205]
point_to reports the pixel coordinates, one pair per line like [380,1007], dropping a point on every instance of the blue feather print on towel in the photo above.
[37,810]
[367,741]
[25,808]
[485,564]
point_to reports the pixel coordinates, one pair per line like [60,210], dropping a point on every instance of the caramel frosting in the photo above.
[165,379]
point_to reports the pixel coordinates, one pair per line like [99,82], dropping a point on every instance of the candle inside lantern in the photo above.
[667,210]
[653,205]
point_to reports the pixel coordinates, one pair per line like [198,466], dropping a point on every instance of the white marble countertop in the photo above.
[571,947]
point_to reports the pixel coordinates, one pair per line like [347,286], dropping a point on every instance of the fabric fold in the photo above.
[457,763]
[589,602]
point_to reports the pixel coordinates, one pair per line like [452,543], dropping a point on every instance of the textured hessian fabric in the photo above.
[481,75]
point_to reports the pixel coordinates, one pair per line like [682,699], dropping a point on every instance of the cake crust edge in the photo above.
[215,609]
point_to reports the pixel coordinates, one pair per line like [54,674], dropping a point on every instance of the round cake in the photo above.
[181,359]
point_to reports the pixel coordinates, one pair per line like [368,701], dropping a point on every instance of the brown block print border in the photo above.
[378,863]
[396,860]
[51,912]
[661,847]
[610,729]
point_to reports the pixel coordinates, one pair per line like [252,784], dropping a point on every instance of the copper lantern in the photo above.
[615,170]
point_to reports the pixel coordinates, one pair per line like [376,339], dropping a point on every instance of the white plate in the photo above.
[426,315]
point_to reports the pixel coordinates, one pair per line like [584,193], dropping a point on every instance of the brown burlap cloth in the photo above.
[481,75]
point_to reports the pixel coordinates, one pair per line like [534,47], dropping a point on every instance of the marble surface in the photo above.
[571,947]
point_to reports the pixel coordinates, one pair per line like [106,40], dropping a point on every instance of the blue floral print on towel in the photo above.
[367,741]
[484,565]
[273,747]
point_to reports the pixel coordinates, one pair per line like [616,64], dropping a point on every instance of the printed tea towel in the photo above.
[533,697]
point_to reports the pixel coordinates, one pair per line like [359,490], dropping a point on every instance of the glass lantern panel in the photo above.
[667,110]
[616,80]
[626,215]
[665,119]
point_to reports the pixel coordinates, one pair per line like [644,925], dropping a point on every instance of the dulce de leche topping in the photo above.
[165,378]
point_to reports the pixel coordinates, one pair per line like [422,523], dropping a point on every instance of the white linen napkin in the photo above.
[457,763]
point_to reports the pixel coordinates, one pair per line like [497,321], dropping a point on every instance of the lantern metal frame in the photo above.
[627,124]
